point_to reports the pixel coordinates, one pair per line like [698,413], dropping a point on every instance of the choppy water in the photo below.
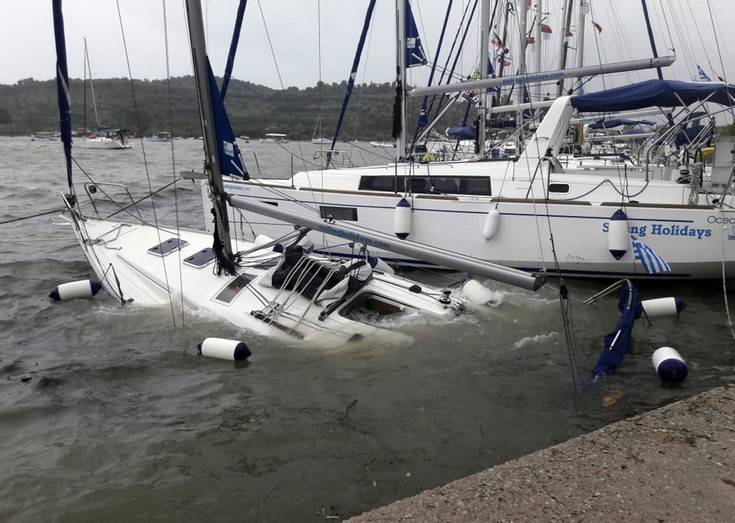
[106,413]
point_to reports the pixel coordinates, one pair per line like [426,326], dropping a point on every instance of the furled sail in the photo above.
[62,88]
[233,47]
[228,152]
[415,54]
[353,71]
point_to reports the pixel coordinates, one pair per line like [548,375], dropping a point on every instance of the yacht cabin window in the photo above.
[474,185]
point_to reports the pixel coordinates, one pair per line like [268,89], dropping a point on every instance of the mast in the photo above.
[84,86]
[579,62]
[650,36]
[399,123]
[222,243]
[566,10]
[91,90]
[62,92]
[484,55]
[521,89]
[537,49]
[522,42]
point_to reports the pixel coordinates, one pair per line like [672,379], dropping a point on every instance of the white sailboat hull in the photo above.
[104,143]
[693,240]
[119,253]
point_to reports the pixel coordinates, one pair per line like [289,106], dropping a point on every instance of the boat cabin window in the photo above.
[474,185]
[338,213]
[559,187]
[233,288]
[168,246]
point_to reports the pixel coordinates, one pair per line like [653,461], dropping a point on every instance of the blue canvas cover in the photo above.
[227,150]
[464,133]
[617,122]
[415,54]
[618,343]
[62,88]
[654,93]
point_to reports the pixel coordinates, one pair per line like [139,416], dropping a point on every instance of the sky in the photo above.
[302,31]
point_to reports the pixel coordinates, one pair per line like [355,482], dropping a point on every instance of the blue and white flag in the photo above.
[702,75]
[652,262]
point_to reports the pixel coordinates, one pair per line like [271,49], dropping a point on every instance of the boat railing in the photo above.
[91,188]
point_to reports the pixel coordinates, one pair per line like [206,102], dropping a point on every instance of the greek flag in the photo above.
[702,75]
[652,262]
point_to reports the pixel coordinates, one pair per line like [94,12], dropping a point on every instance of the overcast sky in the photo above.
[27,46]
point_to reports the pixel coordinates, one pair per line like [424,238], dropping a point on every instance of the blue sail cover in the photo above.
[464,133]
[227,150]
[415,54]
[62,88]
[233,47]
[654,93]
[353,71]
[617,122]
[618,343]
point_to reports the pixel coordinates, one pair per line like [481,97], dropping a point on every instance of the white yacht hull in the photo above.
[693,240]
[120,255]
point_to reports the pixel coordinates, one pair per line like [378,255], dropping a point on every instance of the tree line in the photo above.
[30,106]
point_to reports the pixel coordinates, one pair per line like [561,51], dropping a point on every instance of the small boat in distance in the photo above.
[275,138]
[161,136]
[384,145]
[45,136]
[107,139]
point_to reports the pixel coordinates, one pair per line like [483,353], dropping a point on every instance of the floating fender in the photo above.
[75,289]
[492,223]
[669,365]
[402,226]
[223,349]
[617,234]
[663,307]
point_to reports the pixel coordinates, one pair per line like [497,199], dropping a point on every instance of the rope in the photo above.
[145,158]
[44,213]
[173,156]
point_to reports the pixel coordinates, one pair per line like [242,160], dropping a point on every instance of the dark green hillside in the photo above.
[254,110]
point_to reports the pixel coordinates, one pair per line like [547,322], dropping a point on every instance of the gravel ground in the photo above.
[675,463]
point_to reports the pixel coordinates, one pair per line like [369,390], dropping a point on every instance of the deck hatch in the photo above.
[200,259]
[168,246]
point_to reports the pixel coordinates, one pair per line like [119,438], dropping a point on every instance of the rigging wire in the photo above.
[173,155]
[270,45]
[142,147]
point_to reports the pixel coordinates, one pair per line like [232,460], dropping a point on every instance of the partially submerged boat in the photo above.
[274,286]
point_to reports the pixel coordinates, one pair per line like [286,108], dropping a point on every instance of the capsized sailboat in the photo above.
[275,286]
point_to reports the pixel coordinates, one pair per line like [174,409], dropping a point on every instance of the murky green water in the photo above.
[106,413]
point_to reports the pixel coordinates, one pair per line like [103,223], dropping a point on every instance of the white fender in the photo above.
[75,289]
[224,349]
[402,224]
[618,239]
[663,307]
[669,365]
[492,223]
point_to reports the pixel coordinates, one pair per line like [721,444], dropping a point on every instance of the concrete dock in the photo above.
[676,463]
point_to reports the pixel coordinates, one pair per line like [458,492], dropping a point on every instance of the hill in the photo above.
[30,105]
